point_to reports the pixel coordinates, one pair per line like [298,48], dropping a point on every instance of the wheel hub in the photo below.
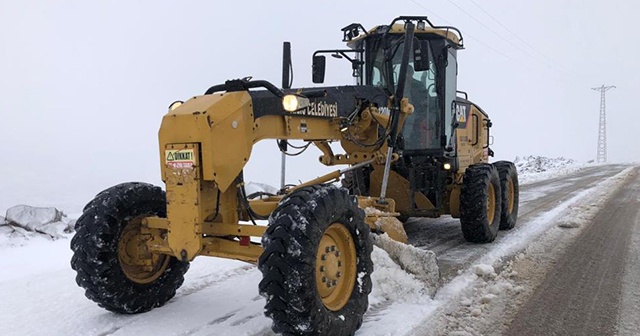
[512,195]
[491,204]
[336,266]
[137,262]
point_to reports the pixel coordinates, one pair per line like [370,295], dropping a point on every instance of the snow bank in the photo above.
[536,168]
[538,164]
[390,282]
[421,264]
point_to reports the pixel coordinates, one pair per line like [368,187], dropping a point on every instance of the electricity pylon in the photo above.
[602,129]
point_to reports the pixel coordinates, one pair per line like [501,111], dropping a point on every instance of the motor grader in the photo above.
[413,147]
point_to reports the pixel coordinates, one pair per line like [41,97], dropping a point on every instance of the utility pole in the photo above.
[602,129]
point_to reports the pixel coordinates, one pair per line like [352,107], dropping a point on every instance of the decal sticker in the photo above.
[180,158]
[320,109]
[461,113]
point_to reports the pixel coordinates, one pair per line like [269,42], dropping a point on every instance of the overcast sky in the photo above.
[84,84]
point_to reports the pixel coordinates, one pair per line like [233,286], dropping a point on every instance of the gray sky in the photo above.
[84,84]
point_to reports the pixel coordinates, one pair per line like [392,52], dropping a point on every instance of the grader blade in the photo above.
[389,235]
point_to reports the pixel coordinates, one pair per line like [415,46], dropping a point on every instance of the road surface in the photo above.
[594,284]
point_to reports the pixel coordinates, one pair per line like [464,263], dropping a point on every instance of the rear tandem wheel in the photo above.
[510,194]
[480,203]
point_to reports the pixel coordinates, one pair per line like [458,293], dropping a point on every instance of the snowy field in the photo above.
[39,296]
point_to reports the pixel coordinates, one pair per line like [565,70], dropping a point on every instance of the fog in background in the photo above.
[84,84]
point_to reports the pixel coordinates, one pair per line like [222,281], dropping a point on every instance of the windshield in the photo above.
[422,128]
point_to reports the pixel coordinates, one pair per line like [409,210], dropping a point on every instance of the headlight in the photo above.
[446,166]
[292,103]
[175,105]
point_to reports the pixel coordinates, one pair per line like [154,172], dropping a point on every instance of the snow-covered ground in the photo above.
[38,294]
[537,168]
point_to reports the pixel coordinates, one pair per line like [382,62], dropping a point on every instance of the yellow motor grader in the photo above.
[413,146]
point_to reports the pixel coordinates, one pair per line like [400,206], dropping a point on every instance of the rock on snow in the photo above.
[49,221]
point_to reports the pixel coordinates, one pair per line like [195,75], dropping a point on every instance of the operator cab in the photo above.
[430,84]
[427,140]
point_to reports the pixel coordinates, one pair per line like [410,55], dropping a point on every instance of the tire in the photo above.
[479,216]
[356,182]
[510,194]
[294,261]
[109,221]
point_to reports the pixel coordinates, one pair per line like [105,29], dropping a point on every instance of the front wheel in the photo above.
[316,263]
[110,255]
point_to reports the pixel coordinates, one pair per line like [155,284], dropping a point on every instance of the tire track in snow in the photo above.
[218,320]
[200,283]
[213,279]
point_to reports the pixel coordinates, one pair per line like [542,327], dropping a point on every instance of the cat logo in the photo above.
[461,113]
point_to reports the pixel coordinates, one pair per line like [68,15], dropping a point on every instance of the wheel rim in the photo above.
[138,264]
[491,204]
[512,195]
[336,267]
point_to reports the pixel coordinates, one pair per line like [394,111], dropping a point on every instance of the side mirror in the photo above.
[318,69]
[421,56]
[286,66]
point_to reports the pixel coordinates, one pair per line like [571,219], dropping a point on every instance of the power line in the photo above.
[466,34]
[549,60]
[551,64]
[511,31]
[494,32]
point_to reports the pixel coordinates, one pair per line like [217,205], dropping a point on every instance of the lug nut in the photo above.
[335,282]
[326,249]
[321,268]
[323,257]
[339,263]
[324,279]
[338,274]
[333,247]
[337,253]
[328,284]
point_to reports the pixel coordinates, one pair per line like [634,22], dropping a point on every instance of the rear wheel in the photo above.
[510,194]
[480,203]
[110,256]
[316,263]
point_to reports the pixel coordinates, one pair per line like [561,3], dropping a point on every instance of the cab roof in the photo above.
[355,32]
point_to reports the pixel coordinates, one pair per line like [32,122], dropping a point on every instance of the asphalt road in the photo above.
[444,236]
[593,288]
